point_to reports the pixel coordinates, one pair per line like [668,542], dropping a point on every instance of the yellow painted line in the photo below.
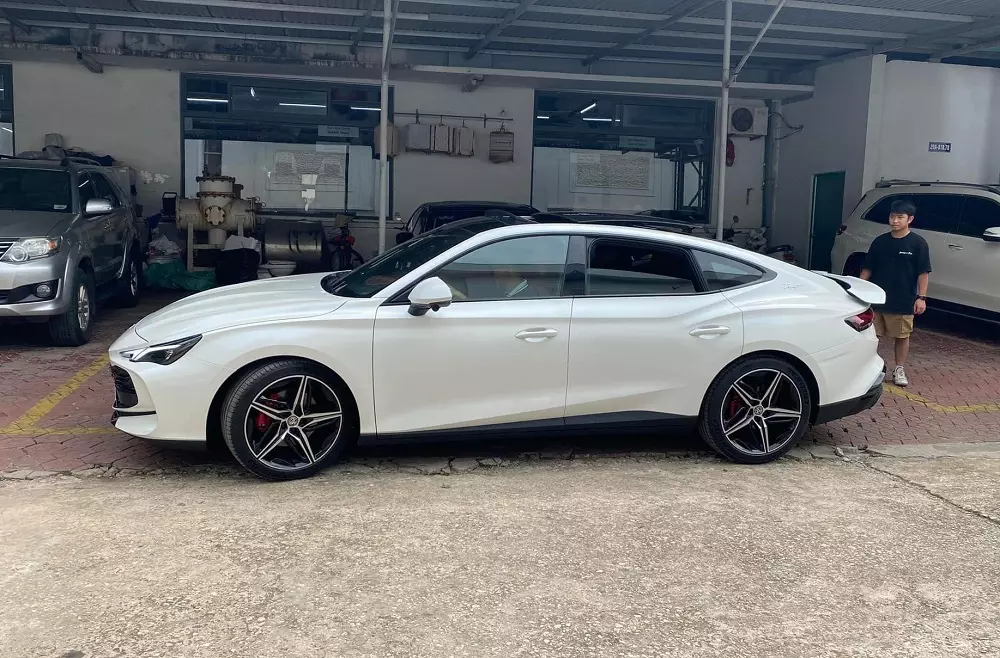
[43,407]
[987,408]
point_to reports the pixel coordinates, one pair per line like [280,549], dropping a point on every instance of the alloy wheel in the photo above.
[83,307]
[293,423]
[761,412]
[133,279]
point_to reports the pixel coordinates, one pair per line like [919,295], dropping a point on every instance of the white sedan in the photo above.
[505,325]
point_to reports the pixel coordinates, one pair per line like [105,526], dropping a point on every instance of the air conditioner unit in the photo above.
[748,121]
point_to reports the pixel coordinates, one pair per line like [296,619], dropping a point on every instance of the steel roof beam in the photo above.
[967,50]
[363,25]
[511,16]
[680,11]
[753,46]
[793,4]
[916,41]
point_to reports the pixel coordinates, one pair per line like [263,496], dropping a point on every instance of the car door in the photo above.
[94,230]
[972,263]
[116,224]
[937,217]
[496,356]
[650,332]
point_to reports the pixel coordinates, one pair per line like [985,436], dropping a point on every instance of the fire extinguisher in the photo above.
[730,153]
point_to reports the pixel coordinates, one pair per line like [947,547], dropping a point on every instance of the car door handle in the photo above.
[956,247]
[710,332]
[536,335]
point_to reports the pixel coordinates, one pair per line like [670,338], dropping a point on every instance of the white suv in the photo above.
[961,223]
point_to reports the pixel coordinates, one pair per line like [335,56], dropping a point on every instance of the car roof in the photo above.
[499,205]
[618,231]
[31,163]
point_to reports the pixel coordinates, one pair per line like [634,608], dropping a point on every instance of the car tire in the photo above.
[130,283]
[75,327]
[854,264]
[756,410]
[266,416]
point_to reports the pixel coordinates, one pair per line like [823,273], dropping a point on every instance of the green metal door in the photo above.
[827,216]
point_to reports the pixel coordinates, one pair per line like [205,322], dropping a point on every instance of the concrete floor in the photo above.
[603,557]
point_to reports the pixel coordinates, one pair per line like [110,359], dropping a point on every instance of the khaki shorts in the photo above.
[893,326]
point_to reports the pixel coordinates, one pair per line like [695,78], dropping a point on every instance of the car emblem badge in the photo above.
[293,421]
[758,410]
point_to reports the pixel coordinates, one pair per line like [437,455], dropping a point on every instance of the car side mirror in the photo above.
[429,295]
[992,234]
[97,207]
[403,236]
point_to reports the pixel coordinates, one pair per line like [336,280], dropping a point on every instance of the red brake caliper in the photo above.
[734,406]
[264,421]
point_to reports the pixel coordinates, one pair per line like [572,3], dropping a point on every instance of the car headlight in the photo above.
[29,249]
[163,354]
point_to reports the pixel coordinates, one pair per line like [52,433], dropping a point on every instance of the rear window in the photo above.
[721,273]
[935,212]
[40,190]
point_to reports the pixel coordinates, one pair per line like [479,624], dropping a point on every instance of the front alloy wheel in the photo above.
[756,410]
[287,420]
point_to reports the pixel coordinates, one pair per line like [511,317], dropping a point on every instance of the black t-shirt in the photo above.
[895,264]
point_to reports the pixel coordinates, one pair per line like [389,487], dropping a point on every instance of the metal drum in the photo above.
[303,243]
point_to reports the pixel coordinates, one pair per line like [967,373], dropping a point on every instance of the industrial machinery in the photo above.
[219,210]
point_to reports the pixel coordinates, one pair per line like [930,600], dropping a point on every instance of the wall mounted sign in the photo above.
[635,143]
[939,147]
[343,132]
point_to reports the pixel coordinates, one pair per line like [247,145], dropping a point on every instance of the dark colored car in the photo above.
[430,216]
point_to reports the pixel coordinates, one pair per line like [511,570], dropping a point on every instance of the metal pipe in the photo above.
[722,134]
[383,127]
[756,41]
[771,146]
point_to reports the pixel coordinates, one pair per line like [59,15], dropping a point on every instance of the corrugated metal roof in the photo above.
[805,30]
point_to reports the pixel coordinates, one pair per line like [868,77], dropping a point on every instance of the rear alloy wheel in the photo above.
[756,411]
[131,284]
[287,420]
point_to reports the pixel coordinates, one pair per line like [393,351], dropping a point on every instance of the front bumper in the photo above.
[44,270]
[838,410]
[162,403]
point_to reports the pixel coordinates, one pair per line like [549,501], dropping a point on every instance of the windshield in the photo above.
[42,190]
[379,272]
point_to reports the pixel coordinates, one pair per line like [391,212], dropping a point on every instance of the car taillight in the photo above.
[862,320]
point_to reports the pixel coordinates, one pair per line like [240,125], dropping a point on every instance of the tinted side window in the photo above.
[104,189]
[721,272]
[978,214]
[87,191]
[935,212]
[520,268]
[634,269]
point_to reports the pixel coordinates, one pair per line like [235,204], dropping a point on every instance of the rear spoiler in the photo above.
[865,292]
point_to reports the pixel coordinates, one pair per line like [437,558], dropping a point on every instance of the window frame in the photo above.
[116,201]
[961,216]
[701,287]
[569,269]
[81,177]
[764,273]
[915,197]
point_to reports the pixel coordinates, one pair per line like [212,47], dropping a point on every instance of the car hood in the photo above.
[267,300]
[28,224]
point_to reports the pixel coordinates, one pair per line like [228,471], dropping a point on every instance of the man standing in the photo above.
[899,262]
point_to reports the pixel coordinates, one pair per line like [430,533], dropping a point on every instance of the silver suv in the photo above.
[69,237]
[961,223]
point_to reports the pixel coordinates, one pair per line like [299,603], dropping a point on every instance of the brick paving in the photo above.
[954,396]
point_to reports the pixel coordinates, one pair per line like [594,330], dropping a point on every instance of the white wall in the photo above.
[835,137]
[745,183]
[925,102]
[131,114]
[419,178]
